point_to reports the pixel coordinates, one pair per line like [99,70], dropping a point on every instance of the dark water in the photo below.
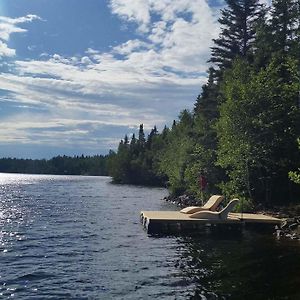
[71,237]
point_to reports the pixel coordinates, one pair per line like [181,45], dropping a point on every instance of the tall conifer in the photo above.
[238,29]
[285,24]
[141,135]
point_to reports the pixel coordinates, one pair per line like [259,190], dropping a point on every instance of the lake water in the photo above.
[76,237]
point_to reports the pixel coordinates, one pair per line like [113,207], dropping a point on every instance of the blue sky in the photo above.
[77,75]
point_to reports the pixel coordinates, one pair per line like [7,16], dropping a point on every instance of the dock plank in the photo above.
[163,219]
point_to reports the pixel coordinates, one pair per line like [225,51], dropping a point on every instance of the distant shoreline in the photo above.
[59,165]
[47,174]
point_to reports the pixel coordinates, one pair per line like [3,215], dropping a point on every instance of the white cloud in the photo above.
[147,79]
[9,26]
[5,51]
[25,19]
[133,10]
[131,46]
[181,37]
[86,60]
[6,29]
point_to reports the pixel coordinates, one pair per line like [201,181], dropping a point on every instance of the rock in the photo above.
[183,200]
[294,236]
[293,226]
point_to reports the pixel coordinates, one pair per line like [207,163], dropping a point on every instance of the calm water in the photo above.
[72,237]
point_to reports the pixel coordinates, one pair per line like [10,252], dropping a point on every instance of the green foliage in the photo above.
[257,128]
[244,205]
[295,176]
[172,160]
[135,162]
[59,165]
[200,164]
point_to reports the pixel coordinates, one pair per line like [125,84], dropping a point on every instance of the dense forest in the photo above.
[243,133]
[59,165]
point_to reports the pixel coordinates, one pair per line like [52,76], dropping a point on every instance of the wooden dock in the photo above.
[161,222]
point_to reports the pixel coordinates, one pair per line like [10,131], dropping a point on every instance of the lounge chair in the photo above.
[211,205]
[215,215]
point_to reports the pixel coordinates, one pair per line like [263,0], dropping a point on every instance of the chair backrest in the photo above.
[213,202]
[228,208]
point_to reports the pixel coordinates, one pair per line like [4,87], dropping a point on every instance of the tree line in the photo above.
[59,165]
[242,133]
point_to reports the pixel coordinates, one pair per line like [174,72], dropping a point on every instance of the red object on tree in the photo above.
[202,182]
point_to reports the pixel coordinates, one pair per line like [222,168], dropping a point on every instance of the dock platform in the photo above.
[161,222]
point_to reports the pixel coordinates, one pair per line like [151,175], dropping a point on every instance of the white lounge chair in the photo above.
[215,215]
[211,205]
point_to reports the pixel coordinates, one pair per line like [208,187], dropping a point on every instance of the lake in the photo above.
[79,237]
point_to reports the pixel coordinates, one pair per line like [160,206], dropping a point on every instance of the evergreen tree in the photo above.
[207,103]
[203,153]
[151,136]
[141,139]
[285,25]
[120,166]
[126,140]
[239,22]
[263,49]
[133,140]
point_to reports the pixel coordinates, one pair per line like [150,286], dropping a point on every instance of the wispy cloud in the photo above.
[147,79]
[133,10]
[9,26]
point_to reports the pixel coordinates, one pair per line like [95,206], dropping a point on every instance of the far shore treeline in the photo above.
[59,165]
[243,133]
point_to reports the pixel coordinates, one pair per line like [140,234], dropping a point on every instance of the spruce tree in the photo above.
[141,139]
[126,140]
[285,25]
[133,140]
[206,103]
[238,29]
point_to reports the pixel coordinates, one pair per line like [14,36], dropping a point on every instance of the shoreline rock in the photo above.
[290,228]
[183,200]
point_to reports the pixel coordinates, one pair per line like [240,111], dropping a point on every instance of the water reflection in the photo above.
[251,266]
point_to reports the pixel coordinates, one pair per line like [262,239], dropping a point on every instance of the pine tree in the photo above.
[285,25]
[126,140]
[263,45]
[238,30]
[206,103]
[133,140]
[151,136]
[141,139]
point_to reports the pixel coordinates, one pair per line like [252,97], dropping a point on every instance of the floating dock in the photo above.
[162,222]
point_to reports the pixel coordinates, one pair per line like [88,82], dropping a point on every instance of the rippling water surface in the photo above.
[75,237]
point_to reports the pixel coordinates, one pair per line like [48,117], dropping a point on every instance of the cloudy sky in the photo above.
[77,75]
